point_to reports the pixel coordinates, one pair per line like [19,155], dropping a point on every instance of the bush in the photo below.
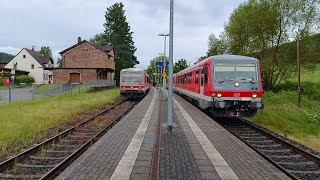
[24,79]
[1,81]
[309,89]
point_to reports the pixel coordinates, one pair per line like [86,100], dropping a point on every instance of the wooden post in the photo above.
[299,71]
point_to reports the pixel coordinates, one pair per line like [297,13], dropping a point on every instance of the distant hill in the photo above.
[5,58]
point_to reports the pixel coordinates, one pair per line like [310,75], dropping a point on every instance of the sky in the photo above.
[58,24]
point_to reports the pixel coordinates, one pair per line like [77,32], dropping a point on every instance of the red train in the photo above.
[227,85]
[134,83]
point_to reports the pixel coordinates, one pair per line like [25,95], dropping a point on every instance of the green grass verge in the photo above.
[22,120]
[4,87]
[281,113]
[45,87]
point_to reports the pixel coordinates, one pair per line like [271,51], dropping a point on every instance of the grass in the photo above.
[20,121]
[281,113]
[4,87]
[45,87]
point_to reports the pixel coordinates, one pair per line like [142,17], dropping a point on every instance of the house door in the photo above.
[74,78]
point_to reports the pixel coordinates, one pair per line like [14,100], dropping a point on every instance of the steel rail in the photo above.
[294,148]
[264,156]
[66,162]
[11,161]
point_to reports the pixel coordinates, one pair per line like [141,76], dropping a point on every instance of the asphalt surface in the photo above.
[17,94]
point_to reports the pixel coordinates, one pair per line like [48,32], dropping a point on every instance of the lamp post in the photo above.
[164,59]
[170,68]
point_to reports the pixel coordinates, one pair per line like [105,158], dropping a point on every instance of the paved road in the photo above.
[17,94]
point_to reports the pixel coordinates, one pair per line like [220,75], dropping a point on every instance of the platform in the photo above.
[197,148]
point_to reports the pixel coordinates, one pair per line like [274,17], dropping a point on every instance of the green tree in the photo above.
[4,57]
[59,62]
[180,65]
[217,45]
[100,39]
[118,34]
[154,71]
[252,31]
[45,51]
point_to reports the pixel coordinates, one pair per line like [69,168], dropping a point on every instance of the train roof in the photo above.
[232,58]
[223,57]
[132,70]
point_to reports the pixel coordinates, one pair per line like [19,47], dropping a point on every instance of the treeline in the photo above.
[5,57]
[269,30]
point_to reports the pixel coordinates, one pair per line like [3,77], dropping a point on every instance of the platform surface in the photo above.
[197,148]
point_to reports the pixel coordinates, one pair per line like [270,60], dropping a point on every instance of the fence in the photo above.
[25,92]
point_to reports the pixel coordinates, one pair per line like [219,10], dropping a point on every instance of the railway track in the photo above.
[295,160]
[47,159]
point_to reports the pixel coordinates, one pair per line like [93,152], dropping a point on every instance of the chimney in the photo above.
[33,47]
[79,40]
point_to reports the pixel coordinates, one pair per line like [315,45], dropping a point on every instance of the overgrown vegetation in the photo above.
[20,121]
[272,37]
[282,114]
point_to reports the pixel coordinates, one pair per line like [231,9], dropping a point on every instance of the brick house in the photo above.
[85,62]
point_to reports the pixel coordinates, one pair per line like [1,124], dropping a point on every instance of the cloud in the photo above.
[58,23]
[10,50]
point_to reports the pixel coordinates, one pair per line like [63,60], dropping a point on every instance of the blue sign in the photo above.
[160,63]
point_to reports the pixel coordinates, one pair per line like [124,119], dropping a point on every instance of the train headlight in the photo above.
[219,95]
[237,84]
[254,95]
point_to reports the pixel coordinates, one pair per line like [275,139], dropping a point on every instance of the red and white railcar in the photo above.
[134,83]
[227,85]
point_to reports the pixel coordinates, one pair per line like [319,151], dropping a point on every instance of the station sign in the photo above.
[160,63]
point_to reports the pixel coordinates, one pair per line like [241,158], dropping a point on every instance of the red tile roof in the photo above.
[38,57]
[106,49]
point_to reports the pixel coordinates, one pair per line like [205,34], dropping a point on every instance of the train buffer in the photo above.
[139,147]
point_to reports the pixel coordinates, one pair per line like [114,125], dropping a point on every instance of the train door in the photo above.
[201,101]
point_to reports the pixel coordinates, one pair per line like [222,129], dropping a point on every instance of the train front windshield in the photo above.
[132,78]
[236,72]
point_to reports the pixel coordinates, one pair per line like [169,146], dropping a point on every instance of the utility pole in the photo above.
[170,68]
[299,71]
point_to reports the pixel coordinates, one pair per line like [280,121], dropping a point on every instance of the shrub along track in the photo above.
[47,159]
[294,159]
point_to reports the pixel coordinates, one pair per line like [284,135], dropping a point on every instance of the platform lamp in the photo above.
[164,59]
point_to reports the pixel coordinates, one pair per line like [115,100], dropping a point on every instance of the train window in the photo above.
[205,69]
[197,77]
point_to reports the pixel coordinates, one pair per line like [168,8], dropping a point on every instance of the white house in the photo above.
[33,62]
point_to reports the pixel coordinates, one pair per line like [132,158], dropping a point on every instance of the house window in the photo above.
[32,66]
[24,56]
[15,66]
